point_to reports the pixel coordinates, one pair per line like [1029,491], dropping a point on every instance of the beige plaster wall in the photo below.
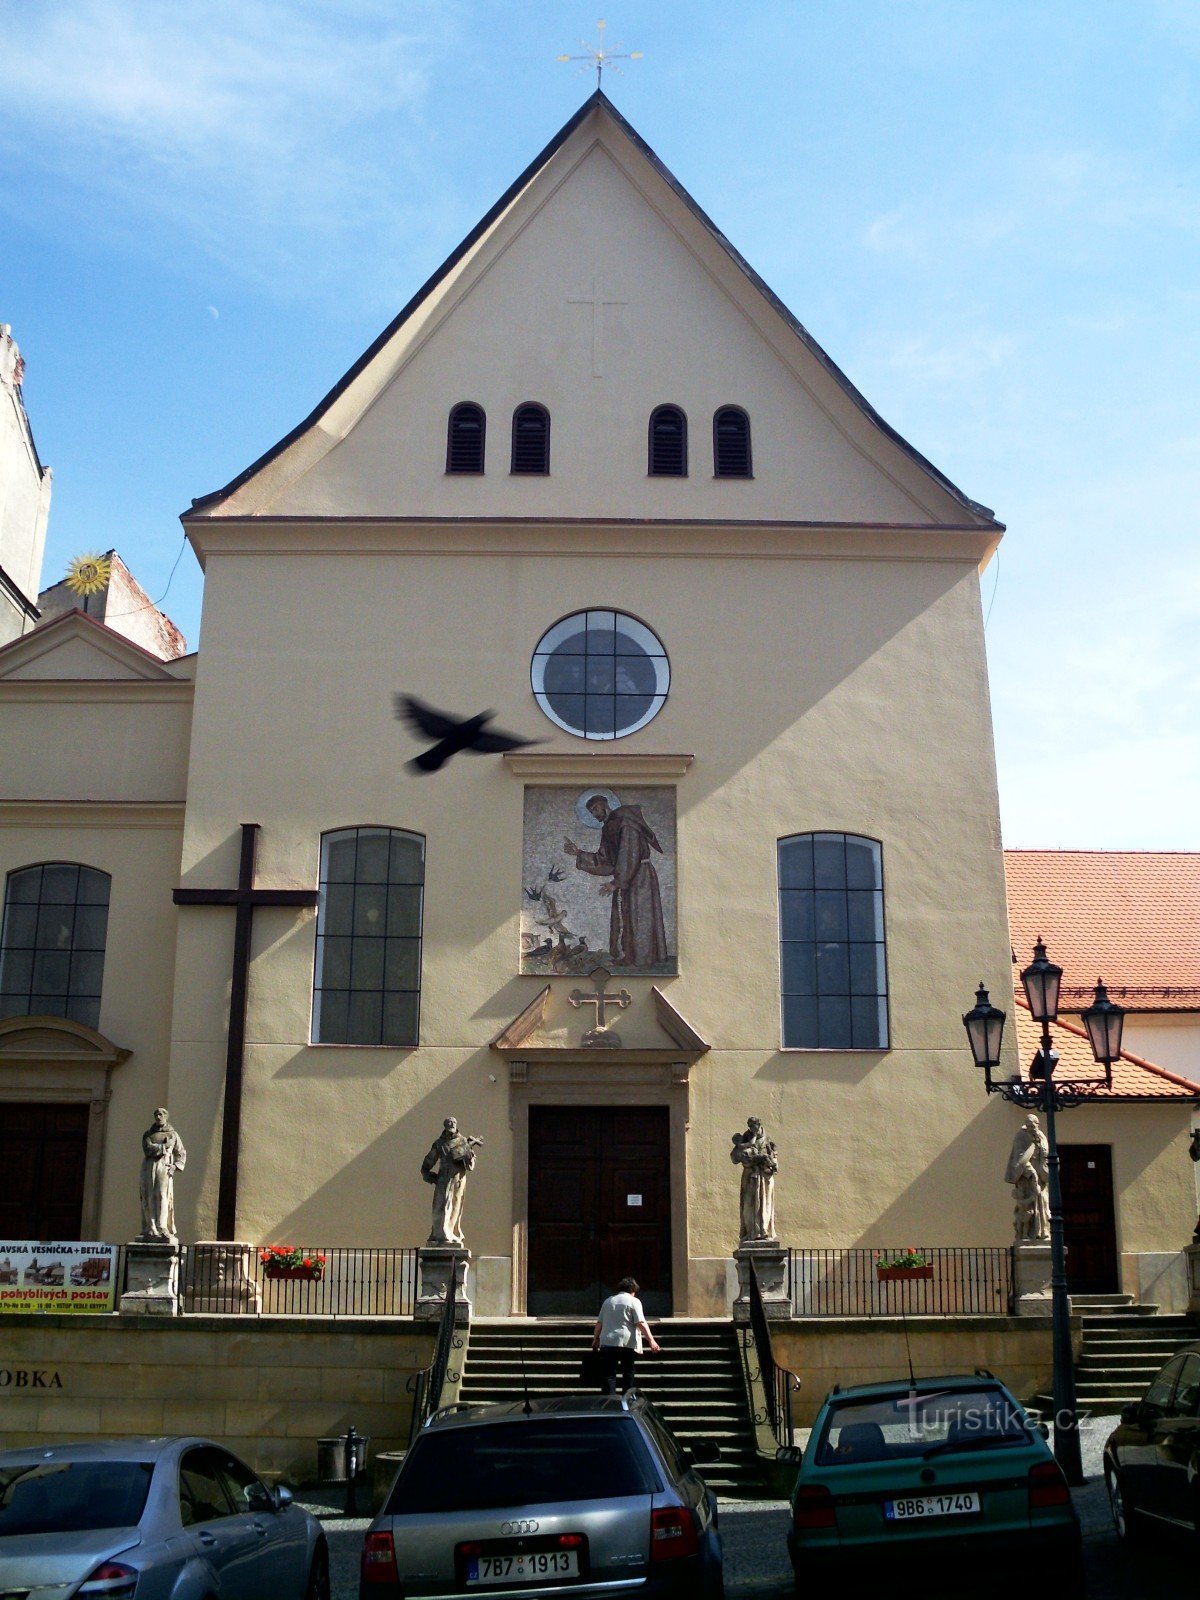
[849,1351]
[24,494]
[1171,1041]
[1152,1175]
[267,1388]
[113,742]
[139,848]
[837,690]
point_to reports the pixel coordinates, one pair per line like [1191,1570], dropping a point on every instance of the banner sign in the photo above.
[58,1277]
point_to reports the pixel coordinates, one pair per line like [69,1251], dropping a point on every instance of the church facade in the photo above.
[730,845]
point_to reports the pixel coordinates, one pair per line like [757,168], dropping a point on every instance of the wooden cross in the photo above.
[244,898]
[598,303]
[601,999]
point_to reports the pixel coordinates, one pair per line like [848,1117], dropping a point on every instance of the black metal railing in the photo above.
[338,1281]
[957,1281]
[427,1387]
[775,1383]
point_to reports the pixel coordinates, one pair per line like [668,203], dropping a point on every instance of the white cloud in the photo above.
[227,119]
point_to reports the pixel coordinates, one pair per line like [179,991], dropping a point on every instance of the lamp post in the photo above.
[1103,1021]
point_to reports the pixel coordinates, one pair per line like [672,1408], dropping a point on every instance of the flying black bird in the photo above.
[555,875]
[534,894]
[452,734]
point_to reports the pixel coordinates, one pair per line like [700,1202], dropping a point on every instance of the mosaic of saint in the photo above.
[599,881]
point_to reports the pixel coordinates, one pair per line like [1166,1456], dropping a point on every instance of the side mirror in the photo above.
[790,1454]
[1132,1414]
[283,1498]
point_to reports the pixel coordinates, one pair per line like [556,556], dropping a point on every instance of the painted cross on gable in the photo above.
[598,302]
[601,1000]
[244,899]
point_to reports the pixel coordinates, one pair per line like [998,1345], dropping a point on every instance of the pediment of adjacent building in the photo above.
[76,648]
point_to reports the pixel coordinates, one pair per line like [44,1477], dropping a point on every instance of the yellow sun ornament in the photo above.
[88,574]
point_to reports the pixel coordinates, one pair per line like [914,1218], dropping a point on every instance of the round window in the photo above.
[600,674]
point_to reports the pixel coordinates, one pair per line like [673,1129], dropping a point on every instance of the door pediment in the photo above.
[552,1029]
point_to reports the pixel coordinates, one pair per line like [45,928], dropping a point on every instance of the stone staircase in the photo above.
[1124,1345]
[696,1384]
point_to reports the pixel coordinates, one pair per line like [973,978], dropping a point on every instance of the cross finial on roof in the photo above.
[599,56]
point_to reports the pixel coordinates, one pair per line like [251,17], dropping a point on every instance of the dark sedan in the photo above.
[1152,1460]
[163,1517]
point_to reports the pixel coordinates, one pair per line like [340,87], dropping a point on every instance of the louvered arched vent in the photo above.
[668,443]
[464,438]
[531,439]
[731,443]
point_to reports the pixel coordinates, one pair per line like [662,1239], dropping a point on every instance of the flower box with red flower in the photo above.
[898,1268]
[283,1261]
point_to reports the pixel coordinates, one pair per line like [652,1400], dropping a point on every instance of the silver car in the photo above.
[586,1496]
[157,1517]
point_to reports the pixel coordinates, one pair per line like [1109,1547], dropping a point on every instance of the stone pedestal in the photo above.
[1031,1293]
[770,1260]
[1192,1256]
[151,1280]
[437,1266]
[222,1280]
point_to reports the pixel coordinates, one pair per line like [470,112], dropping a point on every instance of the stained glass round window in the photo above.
[600,674]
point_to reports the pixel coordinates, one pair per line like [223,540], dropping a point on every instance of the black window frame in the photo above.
[79,1002]
[550,700]
[823,974]
[456,412]
[653,467]
[531,408]
[720,467]
[357,948]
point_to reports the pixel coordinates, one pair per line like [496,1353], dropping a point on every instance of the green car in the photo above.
[942,1480]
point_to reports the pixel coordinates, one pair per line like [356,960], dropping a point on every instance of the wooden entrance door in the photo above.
[599,1207]
[1089,1218]
[42,1153]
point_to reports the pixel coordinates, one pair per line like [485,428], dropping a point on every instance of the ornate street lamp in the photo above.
[1042,1091]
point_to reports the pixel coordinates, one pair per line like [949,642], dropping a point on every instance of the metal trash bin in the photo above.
[331,1460]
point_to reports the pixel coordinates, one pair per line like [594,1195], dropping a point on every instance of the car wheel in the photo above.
[318,1575]
[1126,1520]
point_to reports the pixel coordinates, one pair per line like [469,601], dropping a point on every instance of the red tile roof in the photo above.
[1131,917]
[1133,1077]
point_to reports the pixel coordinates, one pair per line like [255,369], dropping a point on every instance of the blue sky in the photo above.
[988,214]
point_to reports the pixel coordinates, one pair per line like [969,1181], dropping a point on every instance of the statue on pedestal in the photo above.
[1028,1172]
[163,1156]
[450,1158]
[758,1159]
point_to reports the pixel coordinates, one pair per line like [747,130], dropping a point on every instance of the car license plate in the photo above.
[920,1506]
[532,1566]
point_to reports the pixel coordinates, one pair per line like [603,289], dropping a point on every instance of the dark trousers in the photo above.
[614,1359]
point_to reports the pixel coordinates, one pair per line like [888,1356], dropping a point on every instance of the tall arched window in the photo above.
[731,443]
[464,438]
[832,957]
[52,942]
[367,982]
[531,439]
[668,443]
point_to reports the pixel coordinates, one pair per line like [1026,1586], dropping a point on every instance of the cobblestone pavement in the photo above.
[757,1566]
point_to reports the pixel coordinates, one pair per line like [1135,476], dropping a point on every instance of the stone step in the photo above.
[1083,1301]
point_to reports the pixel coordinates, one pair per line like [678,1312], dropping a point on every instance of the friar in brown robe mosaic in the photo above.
[637,933]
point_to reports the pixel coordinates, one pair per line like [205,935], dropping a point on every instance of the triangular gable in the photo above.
[76,647]
[347,458]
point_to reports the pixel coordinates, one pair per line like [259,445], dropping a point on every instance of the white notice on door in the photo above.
[633,1199]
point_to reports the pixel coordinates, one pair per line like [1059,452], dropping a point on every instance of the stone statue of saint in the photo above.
[163,1156]
[451,1156]
[1028,1172]
[757,1157]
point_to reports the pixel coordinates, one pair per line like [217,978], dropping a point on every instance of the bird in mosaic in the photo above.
[452,734]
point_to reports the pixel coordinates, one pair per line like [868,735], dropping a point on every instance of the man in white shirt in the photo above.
[618,1336]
